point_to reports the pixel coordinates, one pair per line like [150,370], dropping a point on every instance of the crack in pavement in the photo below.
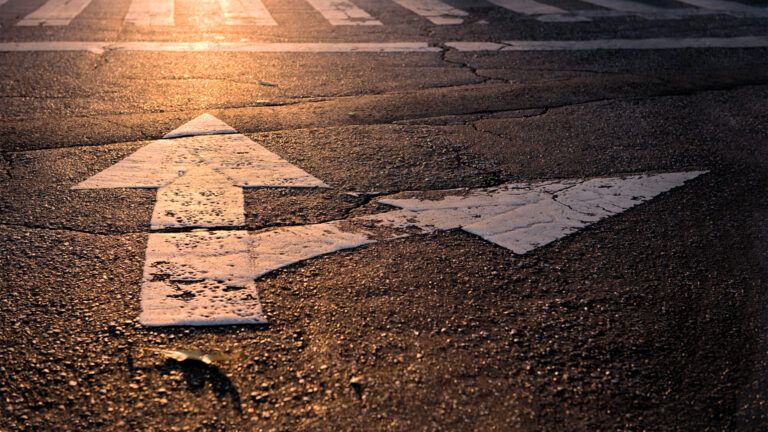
[67,229]
[465,65]
[545,109]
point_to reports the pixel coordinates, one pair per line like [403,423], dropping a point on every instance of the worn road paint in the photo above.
[544,11]
[435,11]
[150,13]
[205,124]
[627,6]
[55,13]
[343,12]
[519,216]
[200,276]
[614,44]
[392,47]
[246,47]
[246,12]
[728,6]
[207,276]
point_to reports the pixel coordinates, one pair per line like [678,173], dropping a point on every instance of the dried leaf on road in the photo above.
[182,355]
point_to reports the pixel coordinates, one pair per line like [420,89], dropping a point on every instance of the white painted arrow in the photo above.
[202,276]
[206,276]
[517,216]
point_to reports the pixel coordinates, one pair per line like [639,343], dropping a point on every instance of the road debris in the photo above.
[182,355]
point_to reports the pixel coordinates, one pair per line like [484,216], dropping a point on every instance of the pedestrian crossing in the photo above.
[160,13]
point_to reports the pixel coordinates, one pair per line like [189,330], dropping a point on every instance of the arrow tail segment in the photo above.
[203,275]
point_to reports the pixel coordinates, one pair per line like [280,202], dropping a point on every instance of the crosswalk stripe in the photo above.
[545,12]
[55,13]
[343,12]
[727,6]
[626,6]
[145,13]
[246,12]
[528,7]
[434,10]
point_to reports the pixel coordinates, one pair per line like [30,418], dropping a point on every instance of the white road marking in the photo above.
[146,13]
[207,276]
[519,216]
[2,2]
[205,124]
[248,47]
[246,12]
[391,47]
[199,278]
[626,6]
[614,44]
[434,10]
[202,197]
[55,13]
[202,277]
[545,11]
[728,6]
[343,12]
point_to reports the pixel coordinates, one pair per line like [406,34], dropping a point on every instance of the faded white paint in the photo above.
[246,12]
[519,216]
[280,247]
[435,11]
[614,44]
[343,12]
[627,6]
[55,13]
[245,47]
[205,124]
[728,6]
[202,277]
[199,278]
[201,197]
[393,47]
[543,11]
[150,13]
[207,276]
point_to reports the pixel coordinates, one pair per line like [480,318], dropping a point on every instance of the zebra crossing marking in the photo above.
[55,13]
[246,12]
[626,6]
[435,11]
[147,13]
[543,12]
[150,13]
[343,12]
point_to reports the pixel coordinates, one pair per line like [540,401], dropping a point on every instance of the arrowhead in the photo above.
[204,141]
[205,124]
[522,217]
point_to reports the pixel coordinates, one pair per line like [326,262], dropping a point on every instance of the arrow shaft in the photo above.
[202,198]
[202,277]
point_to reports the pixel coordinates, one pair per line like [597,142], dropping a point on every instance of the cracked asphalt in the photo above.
[653,319]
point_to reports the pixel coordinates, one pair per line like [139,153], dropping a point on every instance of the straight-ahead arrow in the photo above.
[199,275]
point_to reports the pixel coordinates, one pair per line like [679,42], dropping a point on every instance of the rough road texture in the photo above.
[654,319]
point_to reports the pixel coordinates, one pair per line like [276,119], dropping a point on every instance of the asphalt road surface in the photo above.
[334,127]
